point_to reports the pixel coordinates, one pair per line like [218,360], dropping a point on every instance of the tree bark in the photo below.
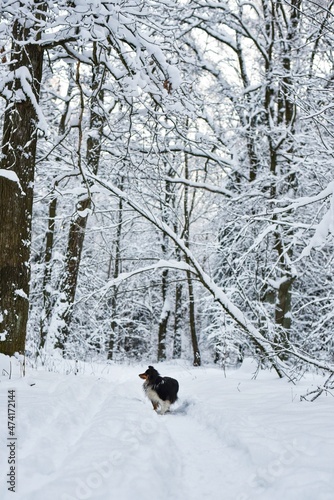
[47,295]
[177,345]
[78,224]
[16,198]
[164,316]
[186,235]
[166,207]
[113,338]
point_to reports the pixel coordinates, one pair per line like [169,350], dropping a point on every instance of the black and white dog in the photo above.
[161,391]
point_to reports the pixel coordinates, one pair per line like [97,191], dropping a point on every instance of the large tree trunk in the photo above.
[78,224]
[47,297]
[71,272]
[286,115]
[16,186]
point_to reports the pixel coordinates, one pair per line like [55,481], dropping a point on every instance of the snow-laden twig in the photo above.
[201,185]
[161,264]
[322,230]
[326,224]
[306,200]
[327,387]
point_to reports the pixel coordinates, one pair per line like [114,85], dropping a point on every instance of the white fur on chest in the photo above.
[152,395]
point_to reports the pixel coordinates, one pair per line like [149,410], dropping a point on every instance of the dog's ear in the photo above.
[150,368]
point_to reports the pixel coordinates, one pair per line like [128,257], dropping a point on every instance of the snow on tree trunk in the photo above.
[21,122]
[79,222]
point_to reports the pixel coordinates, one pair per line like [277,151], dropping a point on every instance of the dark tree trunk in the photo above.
[192,321]
[71,271]
[177,346]
[47,297]
[162,333]
[186,235]
[281,111]
[78,224]
[283,306]
[16,198]
[167,205]
[113,338]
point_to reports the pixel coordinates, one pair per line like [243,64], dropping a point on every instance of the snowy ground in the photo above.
[94,436]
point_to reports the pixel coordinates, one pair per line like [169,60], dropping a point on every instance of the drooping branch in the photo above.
[231,309]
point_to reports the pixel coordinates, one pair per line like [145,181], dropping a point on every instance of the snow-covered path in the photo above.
[95,436]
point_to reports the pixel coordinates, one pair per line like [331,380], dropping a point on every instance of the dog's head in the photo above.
[150,374]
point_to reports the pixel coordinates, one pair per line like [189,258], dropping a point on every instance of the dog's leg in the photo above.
[155,405]
[164,407]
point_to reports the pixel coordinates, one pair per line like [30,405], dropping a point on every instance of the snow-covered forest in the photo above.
[166,181]
[166,198]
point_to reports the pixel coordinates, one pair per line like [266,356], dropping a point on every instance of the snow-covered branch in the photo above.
[261,342]
[161,264]
[306,200]
[201,185]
